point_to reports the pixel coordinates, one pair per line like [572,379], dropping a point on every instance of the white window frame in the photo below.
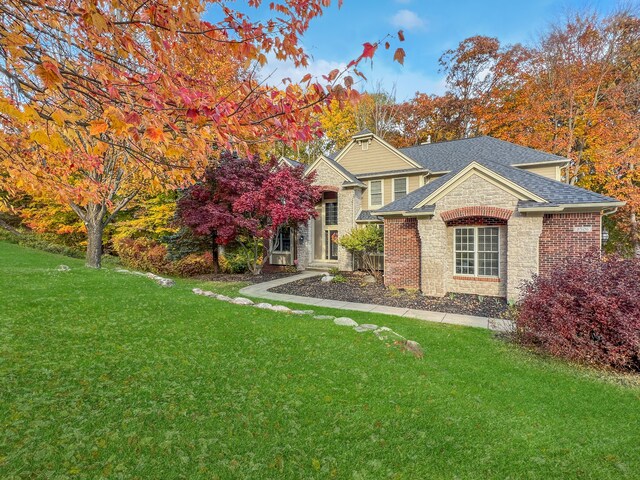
[279,247]
[393,187]
[381,193]
[476,264]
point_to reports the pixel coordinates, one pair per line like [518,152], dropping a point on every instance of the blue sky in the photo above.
[430,26]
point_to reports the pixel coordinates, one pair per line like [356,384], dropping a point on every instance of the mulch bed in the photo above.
[355,290]
[244,277]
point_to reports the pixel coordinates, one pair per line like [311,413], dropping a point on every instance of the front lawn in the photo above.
[109,375]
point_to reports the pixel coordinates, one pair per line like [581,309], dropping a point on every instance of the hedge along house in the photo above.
[477,215]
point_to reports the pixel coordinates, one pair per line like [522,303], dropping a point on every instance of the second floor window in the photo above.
[399,188]
[375,193]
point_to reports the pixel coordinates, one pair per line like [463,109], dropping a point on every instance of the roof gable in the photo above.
[377,155]
[349,178]
[475,168]
[543,192]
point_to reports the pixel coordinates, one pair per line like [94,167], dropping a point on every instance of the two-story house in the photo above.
[476,215]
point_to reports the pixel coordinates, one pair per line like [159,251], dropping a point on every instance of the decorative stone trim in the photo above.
[476,211]
[391,338]
[477,279]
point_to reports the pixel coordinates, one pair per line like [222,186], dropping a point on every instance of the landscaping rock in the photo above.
[280,308]
[365,327]
[302,312]
[324,317]
[387,335]
[369,279]
[242,301]
[414,348]
[165,282]
[326,278]
[63,268]
[345,322]
[208,293]
[223,298]
[197,291]
[265,306]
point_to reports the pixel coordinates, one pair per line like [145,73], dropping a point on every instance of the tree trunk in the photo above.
[635,235]
[214,253]
[9,228]
[95,229]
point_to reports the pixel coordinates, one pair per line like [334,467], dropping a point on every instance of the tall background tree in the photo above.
[103,100]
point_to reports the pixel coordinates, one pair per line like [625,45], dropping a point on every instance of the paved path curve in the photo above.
[261,290]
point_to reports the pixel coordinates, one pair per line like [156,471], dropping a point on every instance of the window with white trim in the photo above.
[282,240]
[375,193]
[400,187]
[477,251]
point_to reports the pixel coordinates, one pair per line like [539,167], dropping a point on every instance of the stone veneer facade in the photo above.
[419,251]
[349,201]
[519,237]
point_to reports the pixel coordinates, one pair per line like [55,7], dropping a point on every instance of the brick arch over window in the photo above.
[466,214]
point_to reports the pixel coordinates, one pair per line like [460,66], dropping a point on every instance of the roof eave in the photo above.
[572,206]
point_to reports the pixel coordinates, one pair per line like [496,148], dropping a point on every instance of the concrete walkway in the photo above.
[260,290]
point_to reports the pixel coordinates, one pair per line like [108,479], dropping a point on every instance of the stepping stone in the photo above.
[198,291]
[263,305]
[63,268]
[365,327]
[223,298]
[302,312]
[324,317]
[209,294]
[345,322]
[242,301]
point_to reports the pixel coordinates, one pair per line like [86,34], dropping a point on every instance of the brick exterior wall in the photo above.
[559,242]
[401,253]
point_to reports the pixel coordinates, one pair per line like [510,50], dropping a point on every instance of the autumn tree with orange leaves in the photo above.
[101,100]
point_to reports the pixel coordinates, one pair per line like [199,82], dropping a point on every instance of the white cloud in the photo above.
[407,20]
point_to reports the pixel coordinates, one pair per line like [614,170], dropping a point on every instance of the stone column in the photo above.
[349,205]
[523,235]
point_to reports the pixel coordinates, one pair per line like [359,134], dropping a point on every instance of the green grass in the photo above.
[109,375]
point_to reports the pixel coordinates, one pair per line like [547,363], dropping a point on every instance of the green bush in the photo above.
[235,260]
[339,279]
[364,242]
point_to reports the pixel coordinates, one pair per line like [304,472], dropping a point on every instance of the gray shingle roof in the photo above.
[415,197]
[366,216]
[292,162]
[447,156]
[553,192]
